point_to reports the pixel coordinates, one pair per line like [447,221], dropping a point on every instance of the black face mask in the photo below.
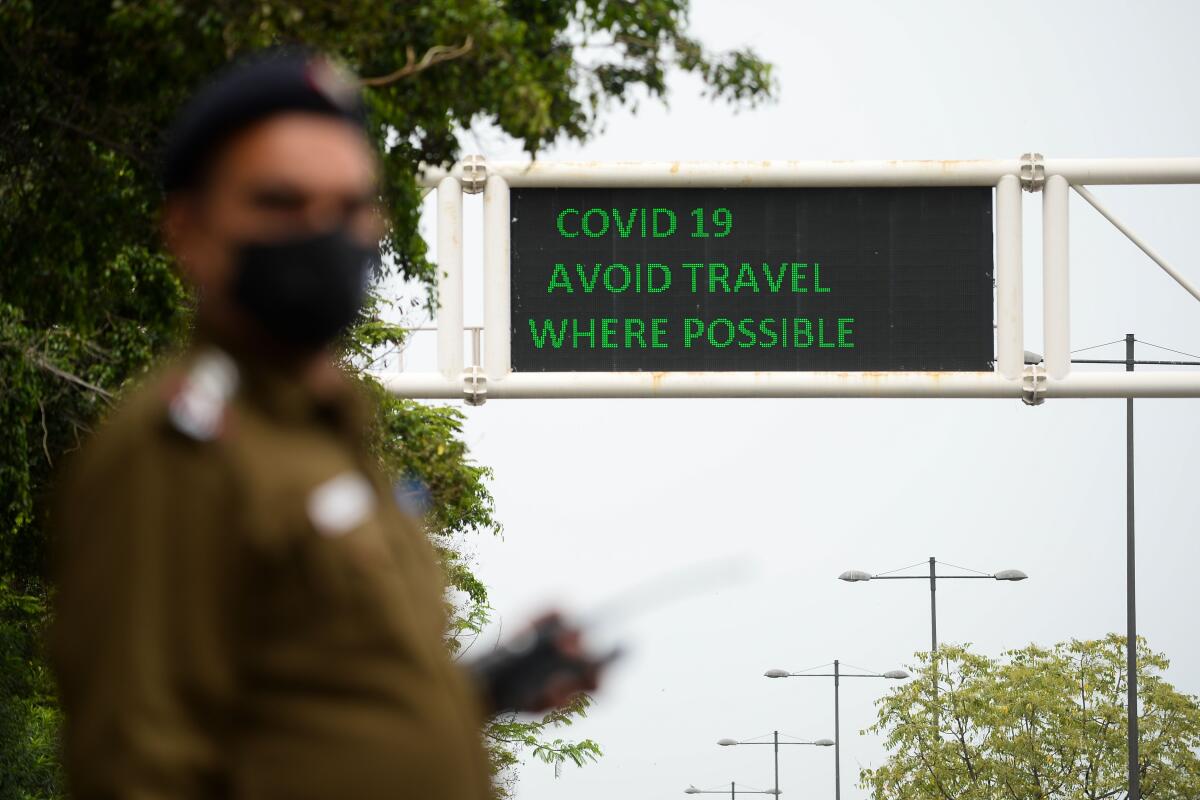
[304,291]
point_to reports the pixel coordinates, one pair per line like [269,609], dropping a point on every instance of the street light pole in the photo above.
[933,600]
[837,731]
[733,791]
[1135,778]
[1131,681]
[775,742]
[858,576]
[837,675]
[776,762]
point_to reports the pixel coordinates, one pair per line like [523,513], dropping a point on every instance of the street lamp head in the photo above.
[896,674]
[824,742]
[1010,575]
[854,576]
[775,792]
[777,673]
[691,790]
[727,742]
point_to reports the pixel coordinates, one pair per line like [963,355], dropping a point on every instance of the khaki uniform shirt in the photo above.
[245,611]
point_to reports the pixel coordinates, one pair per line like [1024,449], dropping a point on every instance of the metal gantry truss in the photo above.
[492,377]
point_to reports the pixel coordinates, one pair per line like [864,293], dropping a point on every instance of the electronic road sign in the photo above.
[803,279]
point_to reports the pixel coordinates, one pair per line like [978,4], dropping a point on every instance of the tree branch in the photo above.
[434,55]
[937,781]
[99,139]
[41,362]
[45,434]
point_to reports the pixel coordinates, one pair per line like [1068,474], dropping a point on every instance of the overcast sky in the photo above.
[597,495]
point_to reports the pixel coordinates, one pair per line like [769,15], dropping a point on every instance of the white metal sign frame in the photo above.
[1011,377]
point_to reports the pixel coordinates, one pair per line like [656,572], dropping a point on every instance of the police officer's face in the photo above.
[288,176]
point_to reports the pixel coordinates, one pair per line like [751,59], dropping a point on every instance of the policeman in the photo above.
[243,609]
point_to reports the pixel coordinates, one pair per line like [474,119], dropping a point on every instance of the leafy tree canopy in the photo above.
[1035,724]
[88,299]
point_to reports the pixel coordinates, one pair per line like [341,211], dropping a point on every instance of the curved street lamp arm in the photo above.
[831,675]
[772,744]
[727,791]
[939,576]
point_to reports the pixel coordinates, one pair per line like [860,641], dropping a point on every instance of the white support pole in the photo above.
[497,333]
[732,174]
[1125,171]
[741,174]
[450,278]
[558,385]
[1188,286]
[1010,317]
[1056,295]
[561,385]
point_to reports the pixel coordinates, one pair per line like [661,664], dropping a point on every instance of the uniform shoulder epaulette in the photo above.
[199,405]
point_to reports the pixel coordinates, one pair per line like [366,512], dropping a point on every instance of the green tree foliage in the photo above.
[1036,724]
[88,299]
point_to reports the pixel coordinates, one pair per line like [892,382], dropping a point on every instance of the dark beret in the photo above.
[268,83]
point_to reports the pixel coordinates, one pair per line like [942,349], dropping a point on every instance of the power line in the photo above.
[818,666]
[861,669]
[966,569]
[1168,349]
[901,569]
[1093,347]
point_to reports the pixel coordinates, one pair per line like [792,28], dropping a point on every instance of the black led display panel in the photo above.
[751,279]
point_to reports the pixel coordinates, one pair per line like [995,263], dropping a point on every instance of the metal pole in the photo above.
[450,279]
[933,600]
[837,735]
[777,763]
[1135,788]
[726,174]
[497,336]
[933,632]
[766,174]
[562,385]
[733,790]
[1056,295]
[1187,285]
[1010,332]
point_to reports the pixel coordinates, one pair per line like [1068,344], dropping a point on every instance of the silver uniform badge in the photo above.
[197,410]
[341,504]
